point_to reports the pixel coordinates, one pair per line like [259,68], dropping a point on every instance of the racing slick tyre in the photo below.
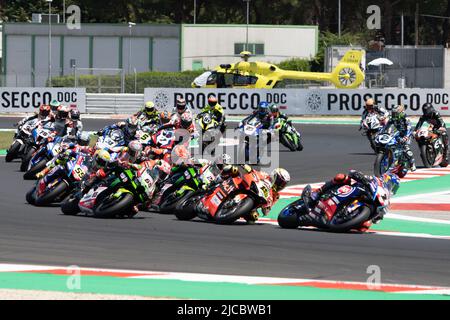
[288,217]
[52,194]
[300,145]
[229,211]
[30,196]
[70,206]
[170,202]
[185,207]
[427,157]
[31,174]
[288,143]
[112,207]
[12,151]
[379,167]
[361,217]
[26,160]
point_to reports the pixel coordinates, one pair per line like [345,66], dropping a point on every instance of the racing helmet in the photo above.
[186,120]
[274,109]
[63,112]
[212,101]
[280,178]
[150,108]
[398,113]
[223,160]
[134,150]
[428,110]
[369,104]
[263,108]
[164,117]
[131,126]
[84,139]
[44,111]
[54,105]
[102,158]
[392,182]
[181,105]
[75,114]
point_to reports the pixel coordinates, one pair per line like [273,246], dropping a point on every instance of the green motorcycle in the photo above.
[127,190]
[289,136]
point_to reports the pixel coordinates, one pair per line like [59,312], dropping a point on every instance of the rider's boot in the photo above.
[365,226]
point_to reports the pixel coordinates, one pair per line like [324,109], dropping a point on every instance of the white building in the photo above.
[207,46]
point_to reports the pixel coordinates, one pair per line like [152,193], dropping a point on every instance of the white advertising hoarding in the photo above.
[18,100]
[304,101]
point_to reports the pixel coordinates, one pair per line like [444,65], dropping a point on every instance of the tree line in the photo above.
[430,17]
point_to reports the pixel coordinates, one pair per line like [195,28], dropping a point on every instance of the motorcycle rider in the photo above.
[312,198]
[431,116]
[128,127]
[43,114]
[54,105]
[148,113]
[276,113]
[182,117]
[77,124]
[371,108]
[63,124]
[403,125]
[215,110]
[263,114]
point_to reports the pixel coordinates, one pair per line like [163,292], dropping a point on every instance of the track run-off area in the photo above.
[194,259]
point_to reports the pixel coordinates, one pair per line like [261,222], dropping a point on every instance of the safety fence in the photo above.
[113,103]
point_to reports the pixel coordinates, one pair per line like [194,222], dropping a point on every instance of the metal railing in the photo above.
[108,103]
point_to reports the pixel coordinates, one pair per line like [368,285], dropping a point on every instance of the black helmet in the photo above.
[75,114]
[428,109]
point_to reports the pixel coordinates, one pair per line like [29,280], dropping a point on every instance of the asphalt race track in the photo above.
[162,243]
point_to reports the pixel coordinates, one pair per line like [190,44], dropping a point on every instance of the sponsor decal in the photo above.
[29,99]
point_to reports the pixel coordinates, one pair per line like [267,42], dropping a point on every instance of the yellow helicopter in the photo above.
[348,74]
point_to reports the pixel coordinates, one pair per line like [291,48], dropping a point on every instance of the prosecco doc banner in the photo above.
[304,101]
[29,99]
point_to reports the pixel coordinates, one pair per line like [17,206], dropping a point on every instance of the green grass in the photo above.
[6,139]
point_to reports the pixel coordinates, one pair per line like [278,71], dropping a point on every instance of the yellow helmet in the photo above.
[149,107]
[102,158]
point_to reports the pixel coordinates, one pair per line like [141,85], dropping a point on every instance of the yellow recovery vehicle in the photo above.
[348,74]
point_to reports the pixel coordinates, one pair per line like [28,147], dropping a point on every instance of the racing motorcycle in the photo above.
[228,201]
[371,126]
[391,155]
[164,138]
[343,208]
[59,181]
[289,136]
[46,152]
[109,140]
[250,131]
[22,139]
[115,196]
[210,129]
[39,137]
[431,146]
[182,185]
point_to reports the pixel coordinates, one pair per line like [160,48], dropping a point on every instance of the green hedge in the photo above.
[111,83]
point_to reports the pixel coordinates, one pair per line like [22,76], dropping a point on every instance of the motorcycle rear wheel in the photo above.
[227,214]
[112,207]
[170,202]
[288,143]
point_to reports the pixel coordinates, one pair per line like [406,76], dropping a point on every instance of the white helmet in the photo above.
[134,150]
[280,178]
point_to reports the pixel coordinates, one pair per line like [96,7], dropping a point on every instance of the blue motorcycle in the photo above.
[343,208]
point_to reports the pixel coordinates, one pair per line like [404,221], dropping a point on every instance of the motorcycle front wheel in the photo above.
[361,216]
[38,167]
[112,207]
[26,160]
[12,151]
[428,156]
[230,211]
[52,194]
[70,206]
[185,207]
[383,163]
